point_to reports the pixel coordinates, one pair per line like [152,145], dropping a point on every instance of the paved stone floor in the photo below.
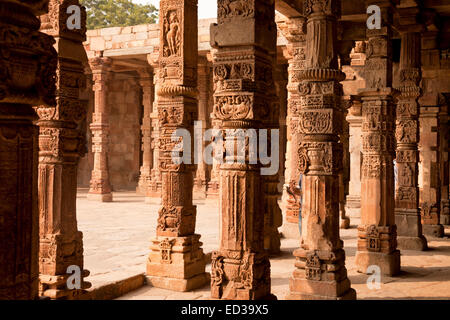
[117,236]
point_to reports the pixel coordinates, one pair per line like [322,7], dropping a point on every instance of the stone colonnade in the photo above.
[48,241]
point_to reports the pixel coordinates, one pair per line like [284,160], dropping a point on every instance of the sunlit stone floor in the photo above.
[117,236]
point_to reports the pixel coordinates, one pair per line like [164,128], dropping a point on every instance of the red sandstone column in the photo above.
[243,65]
[61,144]
[201,174]
[146,83]
[407,212]
[344,174]
[176,260]
[273,216]
[295,32]
[429,184]
[377,233]
[320,271]
[354,119]
[429,163]
[154,187]
[100,189]
[27,78]
[444,135]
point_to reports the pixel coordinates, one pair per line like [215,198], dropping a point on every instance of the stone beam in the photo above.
[289,8]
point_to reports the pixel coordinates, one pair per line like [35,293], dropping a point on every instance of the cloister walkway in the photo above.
[117,238]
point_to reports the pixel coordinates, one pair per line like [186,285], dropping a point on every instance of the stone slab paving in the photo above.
[117,237]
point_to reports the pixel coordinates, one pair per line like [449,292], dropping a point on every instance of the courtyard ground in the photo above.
[117,238]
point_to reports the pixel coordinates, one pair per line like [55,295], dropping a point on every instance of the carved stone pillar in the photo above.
[429,166]
[354,119]
[212,192]
[281,82]
[148,94]
[429,184]
[201,174]
[444,136]
[27,78]
[295,32]
[176,260]
[243,65]
[407,212]
[344,174]
[61,144]
[154,186]
[100,189]
[377,233]
[320,271]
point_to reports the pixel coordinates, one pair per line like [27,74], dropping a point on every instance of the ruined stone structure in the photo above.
[362,116]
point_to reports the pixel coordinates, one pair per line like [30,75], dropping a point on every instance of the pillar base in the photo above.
[105,197]
[409,230]
[412,243]
[433,230]
[353,212]
[55,287]
[199,192]
[290,230]
[389,263]
[176,263]
[180,285]
[320,275]
[445,213]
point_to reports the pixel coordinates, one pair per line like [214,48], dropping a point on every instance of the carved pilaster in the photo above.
[295,32]
[377,234]
[320,271]
[243,76]
[407,212]
[100,188]
[27,78]
[148,94]
[176,260]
